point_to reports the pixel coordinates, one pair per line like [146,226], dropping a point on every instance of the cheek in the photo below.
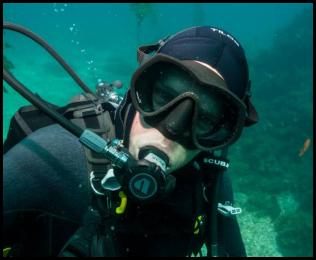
[180,157]
[140,136]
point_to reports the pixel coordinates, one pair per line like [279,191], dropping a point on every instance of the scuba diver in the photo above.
[145,177]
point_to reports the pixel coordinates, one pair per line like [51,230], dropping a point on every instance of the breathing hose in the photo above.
[48,48]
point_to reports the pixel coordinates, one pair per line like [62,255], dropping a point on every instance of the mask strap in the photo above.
[252,115]
[144,51]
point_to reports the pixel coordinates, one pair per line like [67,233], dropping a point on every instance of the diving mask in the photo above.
[188,102]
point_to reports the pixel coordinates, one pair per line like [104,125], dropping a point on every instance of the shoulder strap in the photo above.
[97,117]
[29,118]
[212,167]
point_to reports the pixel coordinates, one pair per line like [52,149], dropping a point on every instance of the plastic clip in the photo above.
[120,209]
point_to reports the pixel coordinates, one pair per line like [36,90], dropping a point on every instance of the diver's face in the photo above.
[142,134]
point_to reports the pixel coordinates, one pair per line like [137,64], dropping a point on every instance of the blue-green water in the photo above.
[273,183]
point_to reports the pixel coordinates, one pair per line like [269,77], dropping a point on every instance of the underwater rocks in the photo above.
[287,203]
[294,235]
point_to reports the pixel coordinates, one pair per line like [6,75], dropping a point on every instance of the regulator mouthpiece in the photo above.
[152,154]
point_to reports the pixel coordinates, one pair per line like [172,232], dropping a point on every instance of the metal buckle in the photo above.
[91,109]
[228,210]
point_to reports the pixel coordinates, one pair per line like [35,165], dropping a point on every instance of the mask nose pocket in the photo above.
[178,121]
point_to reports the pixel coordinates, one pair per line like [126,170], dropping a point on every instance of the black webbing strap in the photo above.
[199,219]
[94,238]
[143,51]
[103,242]
[213,167]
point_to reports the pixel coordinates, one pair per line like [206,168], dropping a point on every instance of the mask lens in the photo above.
[222,130]
[211,111]
[171,83]
[161,83]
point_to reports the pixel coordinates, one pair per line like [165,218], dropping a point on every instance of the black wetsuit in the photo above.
[46,190]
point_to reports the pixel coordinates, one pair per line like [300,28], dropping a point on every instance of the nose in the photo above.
[178,121]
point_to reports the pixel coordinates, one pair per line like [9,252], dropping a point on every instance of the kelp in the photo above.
[198,15]
[141,12]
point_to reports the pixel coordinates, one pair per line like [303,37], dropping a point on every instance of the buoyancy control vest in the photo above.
[188,204]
